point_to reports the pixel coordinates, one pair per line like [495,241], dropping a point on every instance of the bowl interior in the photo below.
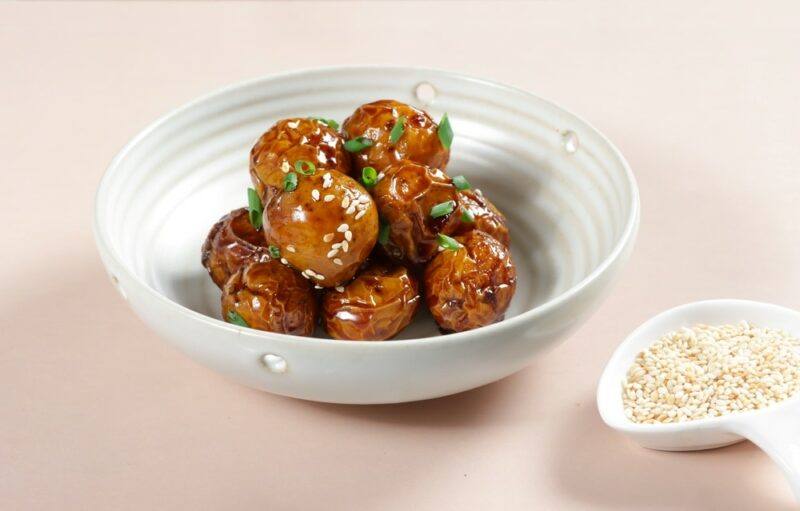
[564,189]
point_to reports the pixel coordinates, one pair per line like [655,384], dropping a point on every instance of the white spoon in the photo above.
[775,429]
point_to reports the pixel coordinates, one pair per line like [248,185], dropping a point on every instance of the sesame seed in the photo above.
[345,246]
[345,202]
[343,228]
[709,371]
[337,261]
[363,199]
[336,245]
[328,237]
[319,277]
[381,175]
[360,214]
[326,184]
[316,286]
[332,253]
[362,207]
[440,248]
[348,235]
[315,194]
[304,274]
[284,261]
[327,176]
[340,289]
[293,124]
[285,167]
[351,210]
[329,197]
[290,248]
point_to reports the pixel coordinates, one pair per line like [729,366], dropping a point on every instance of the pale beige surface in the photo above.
[98,413]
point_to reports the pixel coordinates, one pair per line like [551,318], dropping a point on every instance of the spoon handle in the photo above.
[777,433]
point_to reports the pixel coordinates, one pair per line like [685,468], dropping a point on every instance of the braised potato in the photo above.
[290,141]
[325,227]
[405,198]
[470,286]
[485,216]
[418,142]
[270,296]
[377,305]
[231,243]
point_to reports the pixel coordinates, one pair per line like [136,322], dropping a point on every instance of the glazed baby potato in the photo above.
[377,305]
[324,226]
[231,243]
[470,283]
[270,296]
[295,140]
[406,198]
[418,140]
[477,212]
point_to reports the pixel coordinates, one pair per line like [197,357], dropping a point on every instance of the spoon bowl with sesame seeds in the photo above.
[709,374]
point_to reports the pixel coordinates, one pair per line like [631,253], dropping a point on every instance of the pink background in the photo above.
[96,412]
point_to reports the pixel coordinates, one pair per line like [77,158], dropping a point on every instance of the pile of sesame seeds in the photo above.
[709,371]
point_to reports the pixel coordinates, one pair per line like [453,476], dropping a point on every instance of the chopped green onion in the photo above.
[355,145]
[290,182]
[397,130]
[467,217]
[445,132]
[305,167]
[443,208]
[330,122]
[461,183]
[447,242]
[275,252]
[236,319]
[255,209]
[369,176]
[383,233]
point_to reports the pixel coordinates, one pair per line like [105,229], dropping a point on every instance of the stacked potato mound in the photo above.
[348,223]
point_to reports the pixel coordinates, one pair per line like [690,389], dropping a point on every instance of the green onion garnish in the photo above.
[397,130]
[305,167]
[445,132]
[290,182]
[355,145]
[447,242]
[461,183]
[467,217]
[255,209]
[275,252]
[383,233]
[236,319]
[443,208]
[369,176]
[330,122]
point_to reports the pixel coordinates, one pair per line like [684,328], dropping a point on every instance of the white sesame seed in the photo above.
[360,214]
[340,289]
[348,235]
[315,194]
[332,253]
[345,246]
[290,248]
[293,124]
[328,237]
[336,245]
[327,176]
[440,248]
[284,261]
[343,228]
[351,210]
[708,371]
[345,202]
[304,274]
[337,261]
[285,167]
[326,184]
[317,286]
[319,277]
[363,199]
[381,175]
[362,207]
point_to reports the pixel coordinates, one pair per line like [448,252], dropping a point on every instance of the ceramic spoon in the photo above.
[775,429]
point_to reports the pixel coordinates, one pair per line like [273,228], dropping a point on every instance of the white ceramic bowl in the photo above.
[569,195]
